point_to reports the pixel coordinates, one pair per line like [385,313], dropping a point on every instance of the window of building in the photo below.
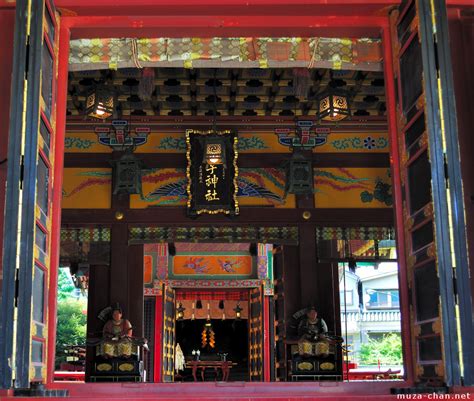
[349,297]
[383,298]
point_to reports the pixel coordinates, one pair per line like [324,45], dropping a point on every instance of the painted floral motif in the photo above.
[245,143]
[72,142]
[254,142]
[170,143]
[369,143]
[229,265]
[95,178]
[340,182]
[366,188]
[196,264]
[382,192]
[360,143]
[251,183]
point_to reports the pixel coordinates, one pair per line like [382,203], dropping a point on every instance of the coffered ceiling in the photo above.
[226,92]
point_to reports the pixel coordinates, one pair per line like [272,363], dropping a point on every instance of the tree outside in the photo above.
[71,316]
[386,351]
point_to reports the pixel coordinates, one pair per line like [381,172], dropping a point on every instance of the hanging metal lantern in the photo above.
[180,312]
[299,175]
[214,152]
[100,102]
[238,312]
[127,175]
[333,105]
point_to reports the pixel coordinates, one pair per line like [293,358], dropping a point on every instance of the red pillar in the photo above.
[158,339]
[266,338]
[63,62]
[398,202]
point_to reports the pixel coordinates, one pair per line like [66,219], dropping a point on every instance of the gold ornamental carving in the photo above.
[305,366]
[126,367]
[428,210]
[439,369]
[420,102]
[436,326]
[431,251]
[420,370]
[404,159]
[423,140]
[327,366]
[104,367]
[417,330]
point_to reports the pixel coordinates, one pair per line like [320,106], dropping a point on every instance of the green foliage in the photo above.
[71,326]
[65,285]
[72,319]
[387,350]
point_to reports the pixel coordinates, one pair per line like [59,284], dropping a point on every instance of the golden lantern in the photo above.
[333,105]
[238,311]
[100,102]
[214,151]
[180,312]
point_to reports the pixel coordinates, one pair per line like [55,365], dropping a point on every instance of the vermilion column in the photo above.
[158,339]
[63,61]
[266,338]
[397,201]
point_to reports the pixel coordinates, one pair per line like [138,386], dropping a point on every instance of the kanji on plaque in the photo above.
[211,195]
[211,180]
[212,172]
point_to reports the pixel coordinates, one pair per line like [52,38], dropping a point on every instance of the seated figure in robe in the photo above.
[312,333]
[117,335]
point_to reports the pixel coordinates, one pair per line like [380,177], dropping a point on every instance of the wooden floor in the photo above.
[239,391]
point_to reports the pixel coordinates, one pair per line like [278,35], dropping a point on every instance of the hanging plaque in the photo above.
[212,172]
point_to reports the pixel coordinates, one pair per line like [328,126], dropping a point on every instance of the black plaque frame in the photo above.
[197,170]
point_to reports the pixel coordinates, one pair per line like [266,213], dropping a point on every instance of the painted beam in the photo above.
[269,160]
[180,25]
[245,124]
[166,216]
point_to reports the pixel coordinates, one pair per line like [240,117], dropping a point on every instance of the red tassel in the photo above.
[301,81]
[147,84]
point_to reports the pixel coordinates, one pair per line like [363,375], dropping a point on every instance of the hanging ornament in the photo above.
[238,311]
[208,337]
[212,340]
[147,84]
[204,337]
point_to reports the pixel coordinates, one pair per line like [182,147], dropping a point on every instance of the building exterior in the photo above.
[378,312]
[218,195]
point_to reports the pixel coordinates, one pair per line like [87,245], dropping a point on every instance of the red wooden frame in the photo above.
[61,100]
[266,338]
[158,339]
[179,25]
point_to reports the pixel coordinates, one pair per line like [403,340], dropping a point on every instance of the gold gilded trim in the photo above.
[104,367]
[126,367]
[236,173]
[188,167]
